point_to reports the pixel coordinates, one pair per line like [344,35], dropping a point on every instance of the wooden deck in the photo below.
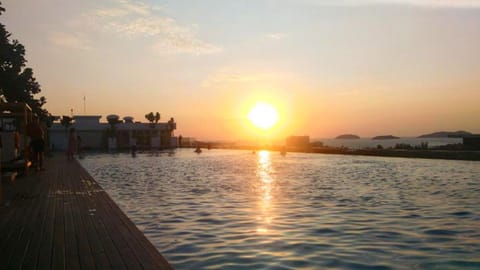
[61,219]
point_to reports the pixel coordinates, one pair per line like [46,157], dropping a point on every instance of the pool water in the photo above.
[232,209]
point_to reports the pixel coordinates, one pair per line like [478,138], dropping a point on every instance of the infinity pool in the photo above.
[225,209]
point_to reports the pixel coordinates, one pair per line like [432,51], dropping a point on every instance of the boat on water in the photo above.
[198,150]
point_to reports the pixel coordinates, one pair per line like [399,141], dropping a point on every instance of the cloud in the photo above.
[135,19]
[184,44]
[146,27]
[70,40]
[110,12]
[136,7]
[277,36]
[420,3]
[434,3]
[230,75]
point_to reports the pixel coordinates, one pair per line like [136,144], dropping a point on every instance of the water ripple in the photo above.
[237,210]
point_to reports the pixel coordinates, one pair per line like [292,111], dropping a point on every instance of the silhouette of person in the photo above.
[72,144]
[133,147]
[37,143]
[16,135]
[79,145]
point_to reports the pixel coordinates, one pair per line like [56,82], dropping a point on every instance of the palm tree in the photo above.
[49,119]
[153,118]
[66,121]
[112,120]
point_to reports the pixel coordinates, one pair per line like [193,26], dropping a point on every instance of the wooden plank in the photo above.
[9,230]
[70,223]
[98,253]
[117,234]
[143,249]
[113,238]
[94,218]
[45,252]
[107,243]
[13,212]
[129,238]
[32,220]
[84,253]
[71,251]
[59,230]
[15,245]
[38,227]
[84,204]
[121,236]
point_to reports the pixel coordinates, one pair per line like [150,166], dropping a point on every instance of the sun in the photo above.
[263,115]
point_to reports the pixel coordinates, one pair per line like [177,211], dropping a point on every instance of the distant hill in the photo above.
[385,137]
[446,134]
[347,136]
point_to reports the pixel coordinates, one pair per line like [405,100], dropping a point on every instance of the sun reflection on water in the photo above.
[232,209]
[264,172]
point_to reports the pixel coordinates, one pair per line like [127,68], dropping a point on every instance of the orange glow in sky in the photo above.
[404,67]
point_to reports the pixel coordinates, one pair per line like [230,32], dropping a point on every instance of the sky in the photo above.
[367,67]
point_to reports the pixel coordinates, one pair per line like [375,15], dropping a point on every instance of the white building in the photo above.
[95,134]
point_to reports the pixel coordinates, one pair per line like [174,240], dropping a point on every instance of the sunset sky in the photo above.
[368,67]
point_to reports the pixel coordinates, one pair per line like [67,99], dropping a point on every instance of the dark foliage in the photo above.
[66,121]
[17,83]
[153,118]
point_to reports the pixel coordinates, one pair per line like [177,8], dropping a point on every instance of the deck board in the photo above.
[36,227]
[22,245]
[16,240]
[62,219]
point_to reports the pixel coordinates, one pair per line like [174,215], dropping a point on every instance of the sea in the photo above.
[238,209]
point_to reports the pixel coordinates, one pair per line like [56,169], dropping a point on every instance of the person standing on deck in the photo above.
[16,136]
[37,143]
[72,144]
[79,146]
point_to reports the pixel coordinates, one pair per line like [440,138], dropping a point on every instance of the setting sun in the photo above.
[263,115]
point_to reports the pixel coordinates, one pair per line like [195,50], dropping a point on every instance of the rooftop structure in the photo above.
[100,135]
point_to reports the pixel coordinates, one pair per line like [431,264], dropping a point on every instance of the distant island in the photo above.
[385,137]
[446,134]
[347,136]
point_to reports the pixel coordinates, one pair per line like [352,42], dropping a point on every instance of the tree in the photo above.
[171,124]
[17,83]
[50,119]
[113,120]
[153,118]
[66,122]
